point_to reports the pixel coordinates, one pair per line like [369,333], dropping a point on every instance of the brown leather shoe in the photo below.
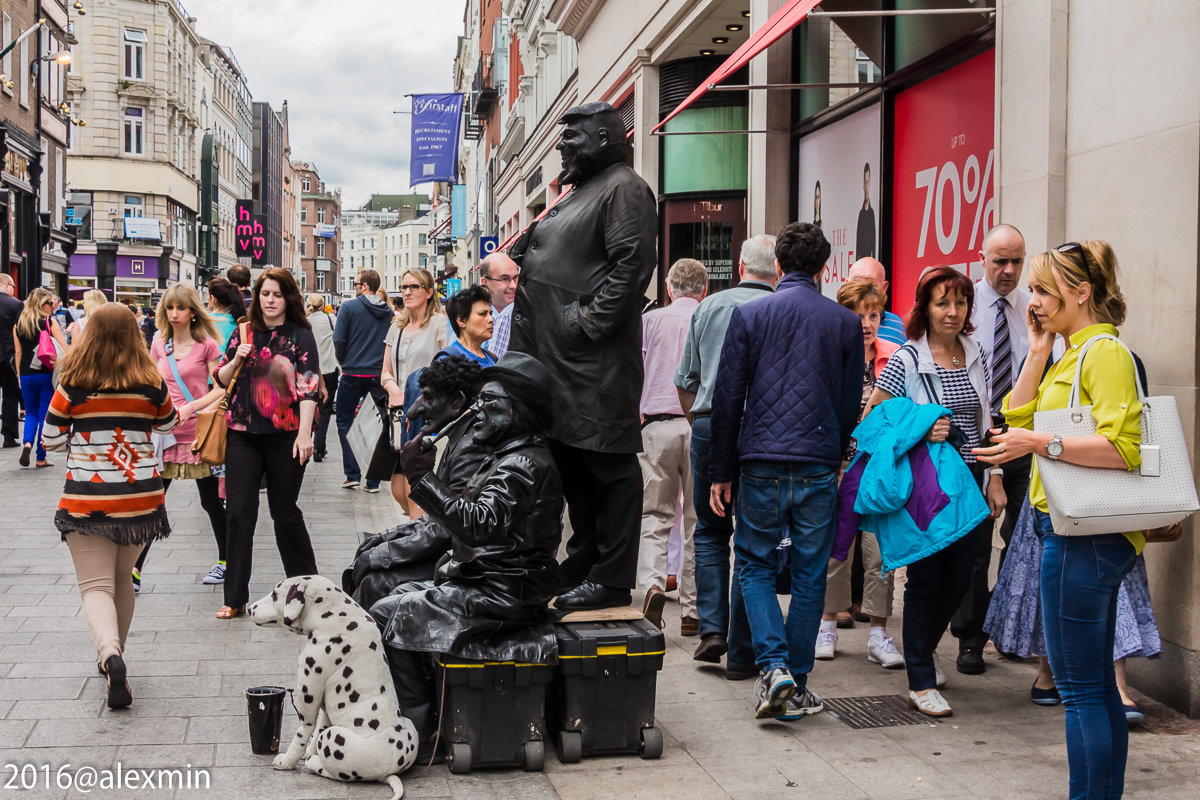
[845,619]
[652,606]
[689,626]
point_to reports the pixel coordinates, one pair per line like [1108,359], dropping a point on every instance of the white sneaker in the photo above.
[931,704]
[939,677]
[882,650]
[826,644]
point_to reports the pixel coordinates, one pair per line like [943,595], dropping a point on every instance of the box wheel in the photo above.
[570,747]
[535,756]
[651,744]
[459,758]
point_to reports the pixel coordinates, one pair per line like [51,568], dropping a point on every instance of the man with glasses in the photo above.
[358,340]
[10,387]
[498,273]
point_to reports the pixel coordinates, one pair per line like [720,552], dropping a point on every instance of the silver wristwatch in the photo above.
[1054,447]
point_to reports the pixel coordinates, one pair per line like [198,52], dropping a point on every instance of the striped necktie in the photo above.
[1002,382]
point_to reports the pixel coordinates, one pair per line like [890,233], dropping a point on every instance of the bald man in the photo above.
[498,274]
[891,327]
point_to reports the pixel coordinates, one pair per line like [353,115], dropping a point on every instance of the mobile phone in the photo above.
[1033,318]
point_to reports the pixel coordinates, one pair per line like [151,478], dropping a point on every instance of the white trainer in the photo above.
[882,650]
[931,704]
[826,645]
[939,677]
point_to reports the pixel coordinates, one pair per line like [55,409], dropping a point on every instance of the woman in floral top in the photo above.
[271,413]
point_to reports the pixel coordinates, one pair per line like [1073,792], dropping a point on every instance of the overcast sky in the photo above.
[343,66]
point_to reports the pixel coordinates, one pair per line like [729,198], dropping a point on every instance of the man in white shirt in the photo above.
[499,274]
[1000,332]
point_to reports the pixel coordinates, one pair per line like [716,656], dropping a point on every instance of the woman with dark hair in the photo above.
[470,313]
[1076,296]
[941,364]
[226,308]
[110,398]
[273,358]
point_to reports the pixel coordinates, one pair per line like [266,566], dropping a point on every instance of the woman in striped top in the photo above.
[110,398]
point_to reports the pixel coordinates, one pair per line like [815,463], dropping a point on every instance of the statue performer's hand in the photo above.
[415,462]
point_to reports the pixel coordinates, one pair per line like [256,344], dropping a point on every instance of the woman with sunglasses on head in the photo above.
[412,342]
[273,364]
[35,375]
[1076,296]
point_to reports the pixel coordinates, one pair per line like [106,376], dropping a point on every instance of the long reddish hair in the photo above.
[955,282]
[111,353]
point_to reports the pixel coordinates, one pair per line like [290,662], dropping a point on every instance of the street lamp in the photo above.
[9,48]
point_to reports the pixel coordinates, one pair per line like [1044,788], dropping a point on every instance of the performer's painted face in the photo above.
[437,407]
[495,415]
[581,142]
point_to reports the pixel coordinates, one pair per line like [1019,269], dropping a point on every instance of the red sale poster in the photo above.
[944,172]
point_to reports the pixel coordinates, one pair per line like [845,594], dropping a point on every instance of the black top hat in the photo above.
[522,366]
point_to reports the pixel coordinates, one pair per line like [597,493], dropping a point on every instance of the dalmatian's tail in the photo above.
[397,786]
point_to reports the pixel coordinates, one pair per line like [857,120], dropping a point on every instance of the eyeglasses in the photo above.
[1068,247]
[1076,247]
[411,287]
[48,303]
[505,279]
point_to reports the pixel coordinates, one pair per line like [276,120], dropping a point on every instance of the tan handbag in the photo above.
[211,426]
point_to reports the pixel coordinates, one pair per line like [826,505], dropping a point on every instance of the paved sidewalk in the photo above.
[189,671]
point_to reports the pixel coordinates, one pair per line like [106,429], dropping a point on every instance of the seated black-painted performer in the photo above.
[488,601]
[410,552]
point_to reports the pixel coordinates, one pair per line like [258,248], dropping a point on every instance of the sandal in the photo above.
[40,464]
[931,704]
[228,612]
[119,694]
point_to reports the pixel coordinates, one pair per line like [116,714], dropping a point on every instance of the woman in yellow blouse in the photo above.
[1075,295]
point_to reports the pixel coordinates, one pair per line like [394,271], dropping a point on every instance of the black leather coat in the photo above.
[506,528]
[584,271]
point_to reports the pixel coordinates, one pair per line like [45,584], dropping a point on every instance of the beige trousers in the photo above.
[103,570]
[666,474]
[877,590]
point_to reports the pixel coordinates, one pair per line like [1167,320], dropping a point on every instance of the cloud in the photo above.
[343,66]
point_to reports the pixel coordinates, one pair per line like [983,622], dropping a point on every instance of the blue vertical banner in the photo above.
[436,123]
[458,211]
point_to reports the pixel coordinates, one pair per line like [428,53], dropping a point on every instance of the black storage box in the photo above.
[603,694]
[494,713]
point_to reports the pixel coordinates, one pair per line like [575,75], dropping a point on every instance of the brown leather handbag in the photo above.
[211,426]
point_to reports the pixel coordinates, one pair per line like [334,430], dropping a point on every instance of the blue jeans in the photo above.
[778,500]
[1080,579]
[37,389]
[351,391]
[715,598]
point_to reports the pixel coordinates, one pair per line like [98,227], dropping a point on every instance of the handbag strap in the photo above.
[243,331]
[169,346]
[1083,350]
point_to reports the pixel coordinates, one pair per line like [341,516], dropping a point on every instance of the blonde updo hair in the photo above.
[92,300]
[1092,262]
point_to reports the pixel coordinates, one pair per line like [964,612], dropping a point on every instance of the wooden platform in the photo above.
[621,614]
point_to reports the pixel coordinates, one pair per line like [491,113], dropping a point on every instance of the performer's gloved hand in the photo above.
[368,544]
[415,462]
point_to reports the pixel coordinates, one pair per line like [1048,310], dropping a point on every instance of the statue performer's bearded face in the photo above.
[582,141]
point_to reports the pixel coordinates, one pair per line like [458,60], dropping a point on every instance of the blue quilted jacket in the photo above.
[790,381]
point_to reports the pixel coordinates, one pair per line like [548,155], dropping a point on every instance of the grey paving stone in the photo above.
[45,688]
[13,732]
[111,729]
[87,708]
[211,730]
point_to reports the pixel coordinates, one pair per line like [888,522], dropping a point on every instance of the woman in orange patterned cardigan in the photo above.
[110,398]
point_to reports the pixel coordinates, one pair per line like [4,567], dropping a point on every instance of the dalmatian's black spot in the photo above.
[358,721]
[348,671]
[351,626]
[340,740]
[374,706]
[341,706]
[373,646]
[309,699]
[328,648]
[339,756]
[310,661]
[373,724]
[335,639]
[317,670]
[346,649]
[337,688]
[327,614]
[306,670]
[354,697]
[391,740]
[342,613]
[319,600]
[326,751]
[337,661]
[343,775]
[274,595]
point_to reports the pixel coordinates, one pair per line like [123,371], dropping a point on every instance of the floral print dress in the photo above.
[282,369]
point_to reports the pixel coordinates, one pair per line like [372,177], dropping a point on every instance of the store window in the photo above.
[134,291]
[710,162]
[77,216]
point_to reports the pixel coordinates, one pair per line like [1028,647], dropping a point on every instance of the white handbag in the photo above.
[1086,501]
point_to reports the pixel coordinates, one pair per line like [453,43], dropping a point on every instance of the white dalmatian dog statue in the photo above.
[351,727]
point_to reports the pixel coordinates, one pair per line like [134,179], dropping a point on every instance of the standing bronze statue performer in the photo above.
[584,270]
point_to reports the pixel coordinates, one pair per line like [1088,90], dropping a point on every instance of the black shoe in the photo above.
[589,596]
[319,456]
[711,648]
[970,661]
[24,459]
[740,672]
[11,443]
[119,695]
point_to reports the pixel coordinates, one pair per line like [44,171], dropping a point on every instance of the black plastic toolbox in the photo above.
[602,700]
[494,713]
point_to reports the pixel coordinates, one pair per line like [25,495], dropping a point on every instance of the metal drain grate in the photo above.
[881,711]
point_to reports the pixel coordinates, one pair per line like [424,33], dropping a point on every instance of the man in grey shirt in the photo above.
[695,380]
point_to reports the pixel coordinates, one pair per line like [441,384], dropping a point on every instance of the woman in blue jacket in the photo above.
[941,364]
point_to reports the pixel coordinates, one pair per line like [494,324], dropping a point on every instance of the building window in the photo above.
[307,184]
[320,281]
[133,132]
[132,206]
[320,248]
[6,36]
[321,215]
[304,213]
[135,55]
[421,241]
[351,244]
[303,249]
[372,262]
[424,259]
[867,71]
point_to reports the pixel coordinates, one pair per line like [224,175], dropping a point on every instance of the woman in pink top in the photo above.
[186,352]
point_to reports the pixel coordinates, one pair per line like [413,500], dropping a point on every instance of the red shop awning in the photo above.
[786,18]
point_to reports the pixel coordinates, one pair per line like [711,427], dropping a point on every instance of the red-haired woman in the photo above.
[941,364]
[109,399]
[271,415]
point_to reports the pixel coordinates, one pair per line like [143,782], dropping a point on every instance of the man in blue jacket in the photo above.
[362,325]
[782,414]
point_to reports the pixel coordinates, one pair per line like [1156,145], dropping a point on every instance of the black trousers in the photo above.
[967,623]
[933,591]
[325,412]
[210,500]
[604,499]
[10,400]
[248,457]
